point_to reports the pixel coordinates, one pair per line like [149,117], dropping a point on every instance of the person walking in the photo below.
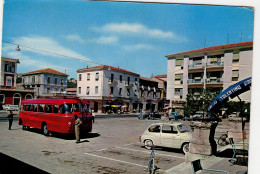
[10,117]
[77,128]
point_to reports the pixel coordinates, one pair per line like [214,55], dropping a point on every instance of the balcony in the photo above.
[128,85]
[195,68]
[112,82]
[215,64]
[195,81]
[214,82]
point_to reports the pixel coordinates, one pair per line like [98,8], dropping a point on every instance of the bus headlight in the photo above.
[69,123]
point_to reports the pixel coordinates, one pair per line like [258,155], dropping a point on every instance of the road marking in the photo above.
[150,152]
[116,160]
[101,150]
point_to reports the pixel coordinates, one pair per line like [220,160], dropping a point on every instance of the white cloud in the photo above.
[43,45]
[137,47]
[72,37]
[106,40]
[137,29]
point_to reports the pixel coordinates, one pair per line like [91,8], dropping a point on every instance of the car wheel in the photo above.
[45,130]
[185,148]
[148,144]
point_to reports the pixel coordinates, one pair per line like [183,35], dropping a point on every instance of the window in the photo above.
[48,80]
[178,77]
[128,80]
[97,76]
[155,128]
[17,99]
[10,67]
[33,79]
[56,81]
[9,81]
[214,59]
[88,77]
[169,129]
[48,108]
[121,78]
[178,91]
[55,109]
[88,90]
[68,108]
[235,75]
[2,98]
[79,90]
[236,57]
[112,77]
[80,77]
[111,90]
[61,81]
[28,107]
[128,92]
[96,89]
[120,91]
[179,62]
[48,90]
[41,107]
[35,107]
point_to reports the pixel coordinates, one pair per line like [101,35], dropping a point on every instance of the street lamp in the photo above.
[17,48]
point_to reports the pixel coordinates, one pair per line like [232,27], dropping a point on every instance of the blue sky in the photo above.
[133,36]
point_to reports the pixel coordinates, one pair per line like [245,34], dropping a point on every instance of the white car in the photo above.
[172,135]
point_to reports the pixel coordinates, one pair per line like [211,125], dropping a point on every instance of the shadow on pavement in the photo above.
[228,153]
[12,165]
[66,136]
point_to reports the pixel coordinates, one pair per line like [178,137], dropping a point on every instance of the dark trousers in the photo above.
[10,123]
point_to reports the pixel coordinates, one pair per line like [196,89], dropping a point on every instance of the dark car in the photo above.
[153,115]
[175,116]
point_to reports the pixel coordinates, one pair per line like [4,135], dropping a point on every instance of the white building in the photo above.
[212,68]
[108,88]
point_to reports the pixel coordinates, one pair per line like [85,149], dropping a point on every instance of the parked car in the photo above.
[143,115]
[175,116]
[151,115]
[207,116]
[9,107]
[171,135]
[198,115]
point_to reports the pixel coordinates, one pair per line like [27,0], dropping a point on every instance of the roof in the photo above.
[147,79]
[161,76]
[46,71]
[106,67]
[53,101]
[228,46]
[11,60]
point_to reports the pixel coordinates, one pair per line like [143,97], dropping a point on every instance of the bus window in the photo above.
[28,107]
[48,108]
[35,107]
[41,108]
[69,108]
[55,109]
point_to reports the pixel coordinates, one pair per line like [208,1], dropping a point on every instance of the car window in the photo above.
[182,128]
[169,129]
[155,128]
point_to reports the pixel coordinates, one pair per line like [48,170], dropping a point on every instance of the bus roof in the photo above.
[51,101]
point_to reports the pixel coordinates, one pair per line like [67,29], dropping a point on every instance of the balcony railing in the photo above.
[214,80]
[215,64]
[195,81]
[112,83]
[195,66]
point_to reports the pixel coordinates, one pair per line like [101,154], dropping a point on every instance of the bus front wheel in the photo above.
[45,130]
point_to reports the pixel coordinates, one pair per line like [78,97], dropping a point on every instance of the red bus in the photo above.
[56,115]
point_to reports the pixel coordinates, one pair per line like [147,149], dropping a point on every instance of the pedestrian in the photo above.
[93,115]
[77,128]
[10,117]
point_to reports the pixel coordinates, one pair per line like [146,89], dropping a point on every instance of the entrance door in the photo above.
[95,106]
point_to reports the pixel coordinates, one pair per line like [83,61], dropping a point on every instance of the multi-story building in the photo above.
[45,82]
[162,86]
[212,68]
[9,93]
[108,88]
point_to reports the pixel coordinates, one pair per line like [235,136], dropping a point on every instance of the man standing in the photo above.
[10,117]
[77,128]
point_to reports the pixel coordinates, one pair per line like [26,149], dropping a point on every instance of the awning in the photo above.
[115,106]
[85,102]
[167,107]
[106,105]
[232,91]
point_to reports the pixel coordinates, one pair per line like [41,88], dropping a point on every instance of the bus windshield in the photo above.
[69,108]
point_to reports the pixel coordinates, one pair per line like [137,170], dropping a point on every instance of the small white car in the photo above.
[171,135]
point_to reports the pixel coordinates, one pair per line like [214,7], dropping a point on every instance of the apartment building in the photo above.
[10,94]
[45,82]
[212,68]
[108,89]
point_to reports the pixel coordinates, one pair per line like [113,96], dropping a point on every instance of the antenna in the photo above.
[205,40]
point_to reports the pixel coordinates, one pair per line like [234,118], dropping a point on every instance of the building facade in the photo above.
[212,68]
[10,94]
[45,82]
[108,89]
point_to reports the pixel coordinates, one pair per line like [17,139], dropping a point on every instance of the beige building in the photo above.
[212,68]
[108,88]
